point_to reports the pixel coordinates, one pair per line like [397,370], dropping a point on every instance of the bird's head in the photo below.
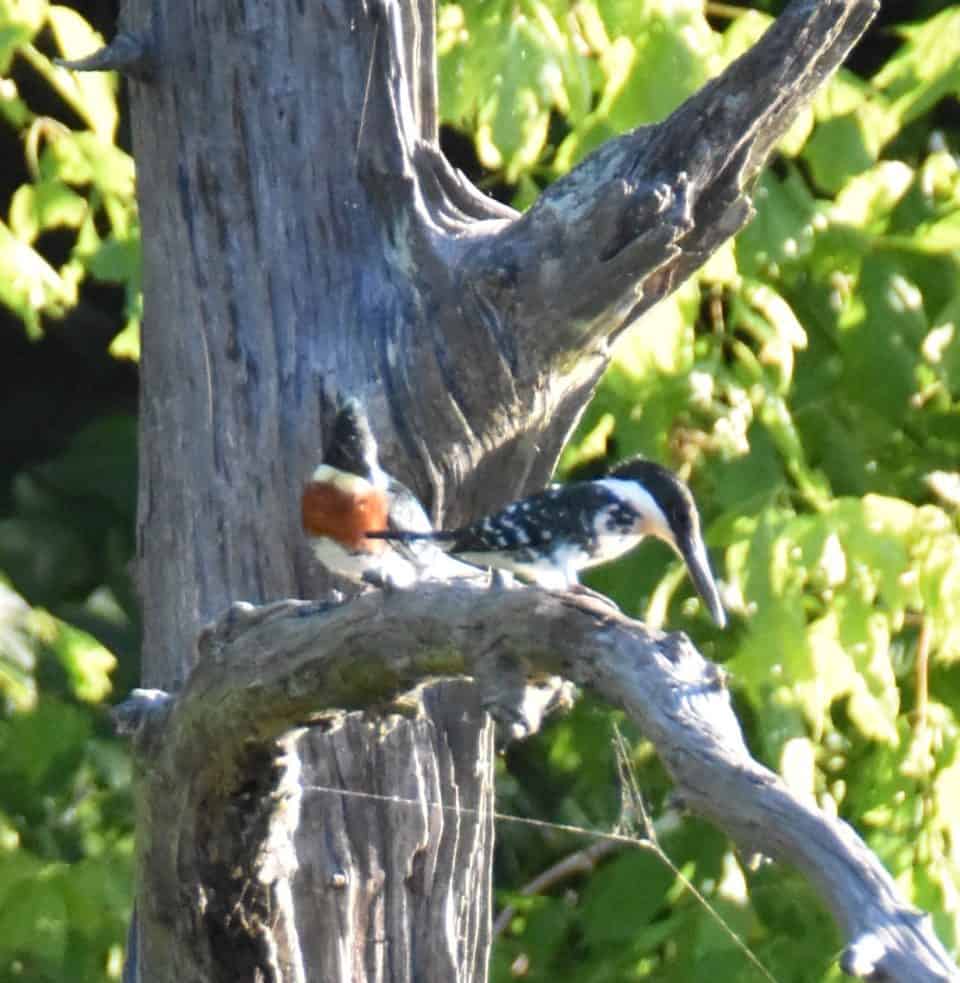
[670,513]
[352,448]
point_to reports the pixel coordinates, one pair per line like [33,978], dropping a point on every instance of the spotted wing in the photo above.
[566,516]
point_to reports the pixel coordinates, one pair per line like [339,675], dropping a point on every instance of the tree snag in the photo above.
[304,237]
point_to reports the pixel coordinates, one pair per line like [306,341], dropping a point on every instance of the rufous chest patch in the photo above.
[345,516]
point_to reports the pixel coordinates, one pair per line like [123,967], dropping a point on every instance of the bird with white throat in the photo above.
[349,495]
[549,537]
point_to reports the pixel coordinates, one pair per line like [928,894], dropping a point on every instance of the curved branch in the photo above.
[265,670]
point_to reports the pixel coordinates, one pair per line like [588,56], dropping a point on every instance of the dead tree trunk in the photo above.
[304,237]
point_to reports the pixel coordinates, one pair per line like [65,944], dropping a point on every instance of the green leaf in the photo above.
[116,261]
[616,63]
[12,36]
[33,920]
[17,658]
[19,22]
[542,923]
[92,94]
[126,345]
[79,159]
[624,896]
[743,33]
[97,892]
[880,340]
[874,696]
[926,69]
[942,235]
[868,201]
[87,663]
[661,342]
[99,465]
[749,482]
[838,150]
[29,286]
[778,330]
[36,747]
[673,58]
[38,207]
[784,226]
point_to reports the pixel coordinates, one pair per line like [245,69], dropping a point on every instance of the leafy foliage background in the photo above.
[806,383]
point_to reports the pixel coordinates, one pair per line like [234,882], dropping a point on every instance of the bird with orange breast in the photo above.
[349,495]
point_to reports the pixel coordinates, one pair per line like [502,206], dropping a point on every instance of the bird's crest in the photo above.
[352,446]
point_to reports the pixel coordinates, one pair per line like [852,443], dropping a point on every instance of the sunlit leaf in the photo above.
[743,33]
[676,44]
[867,201]
[19,22]
[92,94]
[926,69]
[87,663]
[17,655]
[29,286]
[50,204]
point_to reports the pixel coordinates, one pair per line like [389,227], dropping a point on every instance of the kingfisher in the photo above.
[349,495]
[551,536]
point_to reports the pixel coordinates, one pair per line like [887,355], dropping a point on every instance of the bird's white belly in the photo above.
[388,564]
[556,571]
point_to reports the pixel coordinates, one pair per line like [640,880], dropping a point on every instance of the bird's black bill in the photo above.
[403,536]
[694,554]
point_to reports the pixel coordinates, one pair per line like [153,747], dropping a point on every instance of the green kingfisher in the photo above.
[349,496]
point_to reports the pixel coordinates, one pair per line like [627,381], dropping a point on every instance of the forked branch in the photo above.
[523,307]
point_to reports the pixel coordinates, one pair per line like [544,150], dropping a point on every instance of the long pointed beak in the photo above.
[694,554]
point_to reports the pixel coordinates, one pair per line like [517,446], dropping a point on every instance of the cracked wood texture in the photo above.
[303,237]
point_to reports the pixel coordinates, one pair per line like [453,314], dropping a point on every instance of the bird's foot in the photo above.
[382,580]
[501,579]
[595,595]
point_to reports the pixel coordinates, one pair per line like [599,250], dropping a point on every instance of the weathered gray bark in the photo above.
[303,237]
[290,254]
[264,670]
